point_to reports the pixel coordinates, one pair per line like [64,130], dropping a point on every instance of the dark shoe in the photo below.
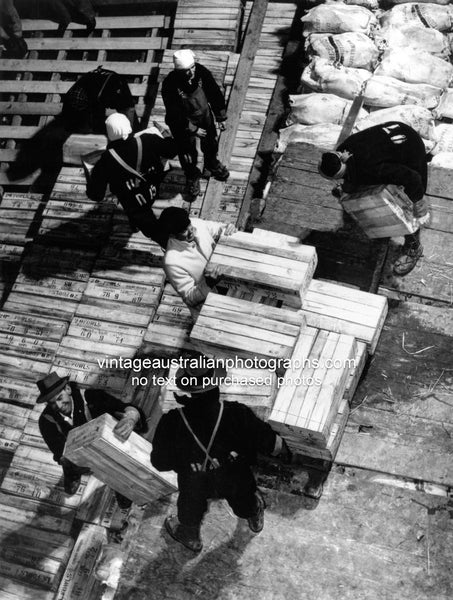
[193,188]
[220,172]
[187,535]
[314,491]
[256,523]
[123,502]
[71,485]
[408,259]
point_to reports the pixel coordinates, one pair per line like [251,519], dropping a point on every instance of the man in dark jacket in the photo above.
[93,97]
[211,446]
[67,407]
[133,168]
[393,153]
[192,99]
[11,31]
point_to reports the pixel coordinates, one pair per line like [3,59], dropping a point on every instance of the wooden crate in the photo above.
[312,389]
[383,211]
[233,327]
[246,258]
[124,466]
[338,308]
[239,386]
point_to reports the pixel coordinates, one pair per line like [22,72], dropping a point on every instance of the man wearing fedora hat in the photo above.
[211,445]
[192,100]
[68,406]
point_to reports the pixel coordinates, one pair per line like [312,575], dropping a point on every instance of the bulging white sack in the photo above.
[352,49]
[414,37]
[442,2]
[444,137]
[370,4]
[419,14]
[445,107]
[323,135]
[416,66]
[322,76]
[337,17]
[443,159]
[309,109]
[388,91]
[419,118]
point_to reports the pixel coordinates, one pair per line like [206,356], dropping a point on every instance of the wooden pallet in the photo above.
[54,63]
[241,328]
[204,24]
[124,466]
[308,401]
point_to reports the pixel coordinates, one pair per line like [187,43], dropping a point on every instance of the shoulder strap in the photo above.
[124,164]
[211,441]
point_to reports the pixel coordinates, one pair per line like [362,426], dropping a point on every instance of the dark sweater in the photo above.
[389,153]
[174,448]
[54,428]
[173,85]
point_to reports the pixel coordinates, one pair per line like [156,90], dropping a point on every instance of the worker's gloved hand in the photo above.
[421,211]
[215,275]
[125,427]
[222,125]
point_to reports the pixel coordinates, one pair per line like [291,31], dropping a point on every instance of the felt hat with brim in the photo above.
[50,386]
[199,379]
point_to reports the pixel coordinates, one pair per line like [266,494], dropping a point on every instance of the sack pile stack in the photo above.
[400,58]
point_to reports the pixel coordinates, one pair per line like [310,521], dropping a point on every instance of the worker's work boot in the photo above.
[256,523]
[71,485]
[193,188]
[218,171]
[187,535]
[410,254]
[314,491]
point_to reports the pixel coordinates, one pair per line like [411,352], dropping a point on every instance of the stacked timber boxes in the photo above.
[255,388]
[123,465]
[241,257]
[232,327]
[310,399]
[383,211]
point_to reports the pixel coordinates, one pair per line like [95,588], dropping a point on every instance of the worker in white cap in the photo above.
[132,166]
[193,102]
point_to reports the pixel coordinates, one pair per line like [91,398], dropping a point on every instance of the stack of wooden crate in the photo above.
[123,465]
[232,327]
[255,388]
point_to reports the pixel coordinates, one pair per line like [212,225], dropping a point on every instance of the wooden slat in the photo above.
[75,66]
[123,22]
[97,43]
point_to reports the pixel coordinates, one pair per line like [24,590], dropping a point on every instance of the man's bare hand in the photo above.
[201,133]
[222,125]
[229,229]
[124,427]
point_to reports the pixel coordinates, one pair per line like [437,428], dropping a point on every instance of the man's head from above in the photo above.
[118,127]
[56,392]
[184,62]
[175,222]
[333,164]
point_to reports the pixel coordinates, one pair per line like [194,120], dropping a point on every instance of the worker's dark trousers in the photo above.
[234,482]
[412,239]
[187,149]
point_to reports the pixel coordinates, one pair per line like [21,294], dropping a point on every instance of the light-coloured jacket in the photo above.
[185,262]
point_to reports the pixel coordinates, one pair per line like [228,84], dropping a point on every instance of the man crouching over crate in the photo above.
[211,445]
[390,153]
[188,251]
[67,407]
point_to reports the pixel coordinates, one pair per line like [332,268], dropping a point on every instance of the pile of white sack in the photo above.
[400,57]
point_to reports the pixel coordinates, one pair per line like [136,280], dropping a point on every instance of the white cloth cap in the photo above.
[183,59]
[118,127]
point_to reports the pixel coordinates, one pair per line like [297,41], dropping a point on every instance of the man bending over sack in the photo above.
[68,406]
[390,153]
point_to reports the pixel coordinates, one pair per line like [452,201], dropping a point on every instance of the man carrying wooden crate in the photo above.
[192,100]
[211,445]
[67,407]
[390,153]
[188,251]
[132,166]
